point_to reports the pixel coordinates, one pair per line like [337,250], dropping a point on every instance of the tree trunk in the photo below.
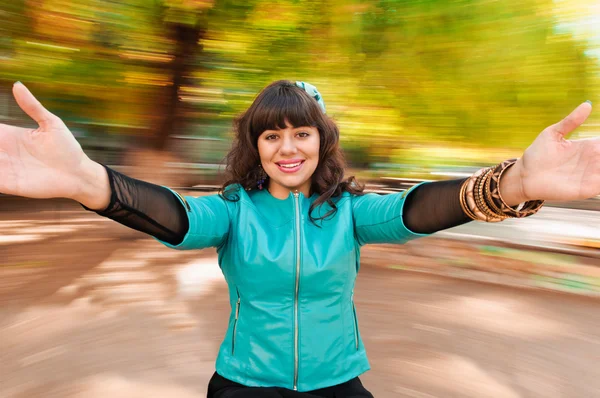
[148,160]
[186,48]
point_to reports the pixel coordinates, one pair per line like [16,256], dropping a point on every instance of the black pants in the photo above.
[220,387]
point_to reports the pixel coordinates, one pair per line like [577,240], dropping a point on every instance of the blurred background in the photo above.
[421,90]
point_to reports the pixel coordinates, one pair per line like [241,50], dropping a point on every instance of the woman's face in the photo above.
[289,157]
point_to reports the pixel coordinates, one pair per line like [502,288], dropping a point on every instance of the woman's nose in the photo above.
[288,146]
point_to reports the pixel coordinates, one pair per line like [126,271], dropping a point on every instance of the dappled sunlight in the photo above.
[505,316]
[5,225]
[575,227]
[42,322]
[12,239]
[117,386]
[451,375]
[48,229]
[26,232]
[199,277]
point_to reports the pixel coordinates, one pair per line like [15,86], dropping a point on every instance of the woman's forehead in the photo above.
[284,113]
[287,125]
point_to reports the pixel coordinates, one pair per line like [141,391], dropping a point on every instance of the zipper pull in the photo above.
[237,308]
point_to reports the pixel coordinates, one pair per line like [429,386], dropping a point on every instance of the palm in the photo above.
[40,163]
[554,168]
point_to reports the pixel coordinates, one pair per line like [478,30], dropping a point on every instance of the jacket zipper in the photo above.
[237,314]
[296,290]
[355,322]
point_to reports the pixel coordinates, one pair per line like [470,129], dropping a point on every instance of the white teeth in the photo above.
[291,165]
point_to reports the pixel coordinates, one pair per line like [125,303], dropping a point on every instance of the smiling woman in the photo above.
[286,125]
[289,157]
[289,227]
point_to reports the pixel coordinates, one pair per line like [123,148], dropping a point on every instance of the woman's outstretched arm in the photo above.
[434,206]
[48,162]
[552,168]
[145,207]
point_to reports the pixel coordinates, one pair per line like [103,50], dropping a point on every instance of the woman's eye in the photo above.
[271,137]
[303,134]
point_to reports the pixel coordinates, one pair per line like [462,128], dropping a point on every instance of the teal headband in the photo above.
[313,92]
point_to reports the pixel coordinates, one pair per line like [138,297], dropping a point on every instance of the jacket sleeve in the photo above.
[420,211]
[379,218]
[179,223]
[434,206]
[209,220]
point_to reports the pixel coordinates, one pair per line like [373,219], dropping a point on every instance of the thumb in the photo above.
[31,106]
[574,120]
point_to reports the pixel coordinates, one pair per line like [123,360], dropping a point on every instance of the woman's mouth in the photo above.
[290,166]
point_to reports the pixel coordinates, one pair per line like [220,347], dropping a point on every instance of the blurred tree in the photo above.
[185,26]
[401,78]
[15,24]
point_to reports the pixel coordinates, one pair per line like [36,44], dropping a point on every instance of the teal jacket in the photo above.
[293,321]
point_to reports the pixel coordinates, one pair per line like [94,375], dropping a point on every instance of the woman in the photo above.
[288,227]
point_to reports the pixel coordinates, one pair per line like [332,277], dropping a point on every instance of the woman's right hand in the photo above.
[47,162]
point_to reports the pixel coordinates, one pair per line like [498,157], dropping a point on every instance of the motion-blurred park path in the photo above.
[89,308]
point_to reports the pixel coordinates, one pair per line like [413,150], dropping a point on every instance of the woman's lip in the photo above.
[290,169]
[290,161]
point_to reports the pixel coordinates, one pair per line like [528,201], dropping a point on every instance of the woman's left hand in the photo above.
[555,168]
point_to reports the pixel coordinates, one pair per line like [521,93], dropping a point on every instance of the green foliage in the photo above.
[402,78]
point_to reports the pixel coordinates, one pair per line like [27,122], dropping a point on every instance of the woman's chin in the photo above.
[291,184]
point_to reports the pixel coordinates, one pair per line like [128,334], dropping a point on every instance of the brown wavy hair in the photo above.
[280,102]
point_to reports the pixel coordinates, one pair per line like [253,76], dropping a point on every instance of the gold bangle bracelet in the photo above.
[470,195]
[462,199]
[526,209]
[480,200]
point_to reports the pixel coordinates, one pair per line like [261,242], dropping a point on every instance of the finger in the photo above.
[574,120]
[31,106]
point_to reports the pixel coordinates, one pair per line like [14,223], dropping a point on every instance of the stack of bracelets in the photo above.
[481,200]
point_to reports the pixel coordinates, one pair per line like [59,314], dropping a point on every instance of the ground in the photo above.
[91,309]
